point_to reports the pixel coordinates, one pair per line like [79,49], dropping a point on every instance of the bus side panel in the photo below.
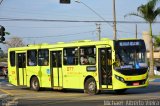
[44,75]
[12,75]
[87,74]
[71,77]
[74,76]
[31,71]
[12,72]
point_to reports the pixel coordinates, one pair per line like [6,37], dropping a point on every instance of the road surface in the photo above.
[16,96]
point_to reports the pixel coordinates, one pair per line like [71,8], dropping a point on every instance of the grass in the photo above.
[157,76]
[154,77]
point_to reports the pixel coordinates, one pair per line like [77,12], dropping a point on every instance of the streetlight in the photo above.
[77,1]
[97,25]
[114,16]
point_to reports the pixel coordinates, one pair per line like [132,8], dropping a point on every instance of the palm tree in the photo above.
[156,41]
[149,12]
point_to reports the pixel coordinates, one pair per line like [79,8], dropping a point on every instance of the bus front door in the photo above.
[56,69]
[105,67]
[21,69]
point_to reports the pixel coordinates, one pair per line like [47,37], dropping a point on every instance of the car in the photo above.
[157,70]
[3,71]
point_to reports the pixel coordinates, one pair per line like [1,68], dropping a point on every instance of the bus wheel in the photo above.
[90,86]
[35,84]
[120,91]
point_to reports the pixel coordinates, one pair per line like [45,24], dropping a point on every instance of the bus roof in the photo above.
[68,44]
[62,44]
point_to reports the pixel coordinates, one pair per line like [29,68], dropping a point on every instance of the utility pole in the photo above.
[136,31]
[98,29]
[114,23]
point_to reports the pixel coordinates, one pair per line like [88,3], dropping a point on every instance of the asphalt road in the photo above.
[16,96]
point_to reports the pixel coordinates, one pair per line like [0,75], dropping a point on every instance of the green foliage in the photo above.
[157,76]
[3,56]
[3,59]
[156,40]
[7,33]
[148,11]
[1,53]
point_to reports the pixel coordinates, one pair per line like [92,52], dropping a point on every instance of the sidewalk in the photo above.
[8,100]
[2,77]
[155,80]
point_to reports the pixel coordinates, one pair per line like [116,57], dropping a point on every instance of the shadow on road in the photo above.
[152,88]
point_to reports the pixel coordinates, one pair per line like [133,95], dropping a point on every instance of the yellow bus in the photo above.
[90,65]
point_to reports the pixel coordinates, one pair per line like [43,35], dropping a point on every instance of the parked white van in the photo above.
[157,70]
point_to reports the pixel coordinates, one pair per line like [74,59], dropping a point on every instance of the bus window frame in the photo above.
[36,63]
[59,62]
[14,64]
[73,56]
[90,46]
[43,57]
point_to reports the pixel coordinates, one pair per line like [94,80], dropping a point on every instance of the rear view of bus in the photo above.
[130,66]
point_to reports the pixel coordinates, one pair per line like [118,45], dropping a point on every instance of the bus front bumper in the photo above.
[126,82]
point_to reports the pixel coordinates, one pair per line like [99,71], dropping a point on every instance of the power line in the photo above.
[93,11]
[72,21]
[128,32]
[24,13]
[62,35]
[120,31]
[44,20]
[58,27]
[72,34]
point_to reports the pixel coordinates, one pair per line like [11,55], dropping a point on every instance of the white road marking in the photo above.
[3,95]
[9,85]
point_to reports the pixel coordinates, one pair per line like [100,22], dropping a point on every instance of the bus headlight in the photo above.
[119,78]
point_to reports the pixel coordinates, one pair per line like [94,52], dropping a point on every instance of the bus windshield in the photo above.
[130,56]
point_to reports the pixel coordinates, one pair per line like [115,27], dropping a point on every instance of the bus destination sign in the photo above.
[129,43]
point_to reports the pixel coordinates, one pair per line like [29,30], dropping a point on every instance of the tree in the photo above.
[149,13]
[156,41]
[1,53]
[15,42]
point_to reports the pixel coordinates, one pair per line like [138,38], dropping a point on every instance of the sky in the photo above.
[34,32]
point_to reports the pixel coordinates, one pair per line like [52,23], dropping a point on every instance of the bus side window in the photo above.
[43,57]
[88,55]
[57,59]
[70,56]
[21,60]
[32,57]
[12,58]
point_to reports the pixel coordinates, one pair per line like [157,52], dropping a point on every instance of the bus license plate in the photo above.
[136,84]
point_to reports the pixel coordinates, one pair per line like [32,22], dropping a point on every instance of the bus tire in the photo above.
[120,91]
[35,84]
[90,86]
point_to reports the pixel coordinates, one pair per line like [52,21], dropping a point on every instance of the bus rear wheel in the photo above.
[35,84]
[90,86]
